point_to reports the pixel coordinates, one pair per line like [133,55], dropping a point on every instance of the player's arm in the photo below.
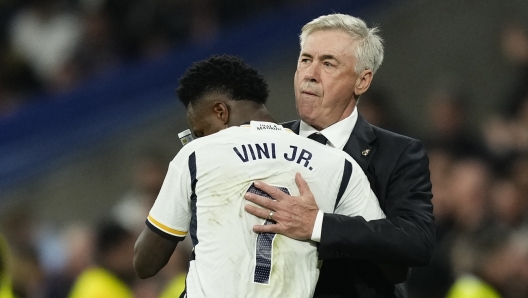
[168,220]
[151,253]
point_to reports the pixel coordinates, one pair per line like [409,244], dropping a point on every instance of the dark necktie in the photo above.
[318,138]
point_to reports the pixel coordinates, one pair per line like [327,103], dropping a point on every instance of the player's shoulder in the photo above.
[191,147]
[211,142]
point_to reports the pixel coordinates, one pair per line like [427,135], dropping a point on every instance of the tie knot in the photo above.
[318,138]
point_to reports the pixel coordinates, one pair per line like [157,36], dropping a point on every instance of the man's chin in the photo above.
[311,120]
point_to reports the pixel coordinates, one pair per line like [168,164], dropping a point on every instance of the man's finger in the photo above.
[301,184]
[273,228]
[259,212]
[272,191]
[260,200]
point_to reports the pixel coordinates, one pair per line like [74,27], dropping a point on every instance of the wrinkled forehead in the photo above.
[332,43]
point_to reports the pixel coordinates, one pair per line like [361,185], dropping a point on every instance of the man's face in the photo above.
[325,79]
[202,119]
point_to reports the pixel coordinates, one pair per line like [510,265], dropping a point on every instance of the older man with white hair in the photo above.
[338,59]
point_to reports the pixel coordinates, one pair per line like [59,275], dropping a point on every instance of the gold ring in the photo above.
[270,216]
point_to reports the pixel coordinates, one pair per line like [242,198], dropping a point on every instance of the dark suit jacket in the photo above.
[398,170]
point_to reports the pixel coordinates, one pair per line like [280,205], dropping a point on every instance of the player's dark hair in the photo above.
[225,74]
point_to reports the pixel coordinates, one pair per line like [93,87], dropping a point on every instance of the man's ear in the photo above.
[222,111]
[363,82]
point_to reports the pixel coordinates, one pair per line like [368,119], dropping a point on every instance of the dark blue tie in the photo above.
[318,138]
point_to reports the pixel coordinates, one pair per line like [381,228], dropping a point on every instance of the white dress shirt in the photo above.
[337,135]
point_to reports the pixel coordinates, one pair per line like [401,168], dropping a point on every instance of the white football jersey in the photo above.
[203,195]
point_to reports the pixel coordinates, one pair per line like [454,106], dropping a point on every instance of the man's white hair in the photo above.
[369,48]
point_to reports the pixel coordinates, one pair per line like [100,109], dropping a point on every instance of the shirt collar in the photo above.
[337,133]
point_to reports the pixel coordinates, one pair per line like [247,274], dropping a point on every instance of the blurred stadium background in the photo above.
[89,120]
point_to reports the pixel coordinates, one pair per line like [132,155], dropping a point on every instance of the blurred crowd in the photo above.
[91,260]
[52,45]
[479,174]
[480,184]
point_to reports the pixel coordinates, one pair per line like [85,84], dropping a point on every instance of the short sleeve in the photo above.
[170,215]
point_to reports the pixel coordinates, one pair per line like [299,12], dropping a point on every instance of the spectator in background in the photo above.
[507,139]
[141,27]
[204,23]
[78,241]
[47,38]
[449,123]
[509,205]
[519,172]
[375,108]
[520,239]
[98,50]
[469,187]
[113,275]
[514,45]
[147,178]
[53,45]
[17,81]
[27,272]
[5,277]
[506,132]
[488,262]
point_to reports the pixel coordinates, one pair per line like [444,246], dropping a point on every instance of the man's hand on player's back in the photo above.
[294,215]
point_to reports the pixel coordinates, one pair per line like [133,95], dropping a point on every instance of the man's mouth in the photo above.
[308,92]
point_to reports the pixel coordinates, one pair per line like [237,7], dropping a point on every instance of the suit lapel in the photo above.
[359,145]
[293,125]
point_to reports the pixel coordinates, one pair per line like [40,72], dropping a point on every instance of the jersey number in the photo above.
[264,246]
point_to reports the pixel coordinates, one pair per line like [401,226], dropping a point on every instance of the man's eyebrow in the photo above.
[328,57]
[322,57]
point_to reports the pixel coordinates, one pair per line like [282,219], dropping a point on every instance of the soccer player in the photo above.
[203,192]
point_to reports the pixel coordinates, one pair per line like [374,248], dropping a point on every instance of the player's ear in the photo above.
[221,111]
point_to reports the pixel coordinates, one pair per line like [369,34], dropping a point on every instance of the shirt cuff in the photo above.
[318,226]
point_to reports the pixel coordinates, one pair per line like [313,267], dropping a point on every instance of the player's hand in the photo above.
[294,216]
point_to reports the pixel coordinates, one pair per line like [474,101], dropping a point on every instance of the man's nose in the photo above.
[312,73]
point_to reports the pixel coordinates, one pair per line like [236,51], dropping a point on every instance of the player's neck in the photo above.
[261,115]
[251,113]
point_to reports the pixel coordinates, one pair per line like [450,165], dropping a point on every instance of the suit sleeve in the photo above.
[406,236]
